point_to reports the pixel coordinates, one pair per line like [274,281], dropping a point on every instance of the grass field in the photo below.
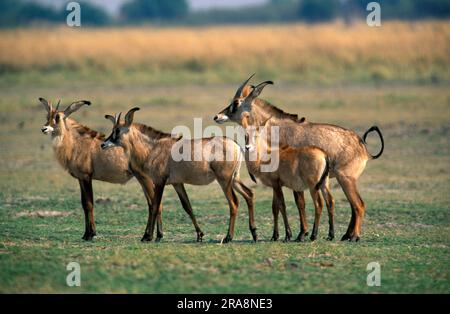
[407,223]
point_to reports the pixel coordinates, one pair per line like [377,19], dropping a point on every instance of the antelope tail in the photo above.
[376,129]
[324,174]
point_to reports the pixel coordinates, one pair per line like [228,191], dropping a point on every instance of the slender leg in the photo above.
[318,206]
[248,195]
[148,189]
[87,201]
[351,225]
[299,198]
[156,210]
[278,201]
[159,226]
[184,199]
[233,204]
[330,207]
[275,212]
[348,184]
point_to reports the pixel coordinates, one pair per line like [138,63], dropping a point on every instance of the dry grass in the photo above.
[395,50]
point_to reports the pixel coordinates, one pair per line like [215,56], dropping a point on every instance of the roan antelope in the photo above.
[347,151]
[298,168]
[151,159]
[77,149]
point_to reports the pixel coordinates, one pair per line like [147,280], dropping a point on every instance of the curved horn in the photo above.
[117,118]
[57,106]
[239,91]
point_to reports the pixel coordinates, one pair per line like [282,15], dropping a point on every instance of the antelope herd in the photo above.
[306,156]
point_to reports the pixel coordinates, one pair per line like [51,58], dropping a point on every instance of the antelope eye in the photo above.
[57,118]
[117,132]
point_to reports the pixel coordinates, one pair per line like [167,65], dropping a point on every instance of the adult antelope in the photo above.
[151,158]
[347,151]
[77,149]
[298,168]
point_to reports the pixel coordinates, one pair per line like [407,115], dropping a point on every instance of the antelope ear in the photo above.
[110,118]
[45,103]
[75,106]
[247,90]
[130,116]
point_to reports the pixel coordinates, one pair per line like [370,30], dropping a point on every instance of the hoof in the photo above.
[353,239]
[254,235]
[88,236]
[330,237]
[289,234]
[200,236]
[227,239]
[275,237]
[287,238]
[345,237]
[301,237]
[146,238]
[158,239]
[313,237]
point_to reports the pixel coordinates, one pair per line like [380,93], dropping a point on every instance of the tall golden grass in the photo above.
[393,47]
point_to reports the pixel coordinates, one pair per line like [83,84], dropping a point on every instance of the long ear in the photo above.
[75,106]
[258,89]
[130,116]
[111,118]
[241,88]
[46,104]
[247,90]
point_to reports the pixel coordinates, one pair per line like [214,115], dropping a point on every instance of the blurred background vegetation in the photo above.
[201,41]
[15,13]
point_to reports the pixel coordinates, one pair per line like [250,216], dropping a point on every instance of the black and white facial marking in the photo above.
[249,144]
[229,111]
[55,118]
[113,139]
[242,102]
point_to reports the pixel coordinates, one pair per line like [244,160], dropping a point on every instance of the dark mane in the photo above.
[83,130]
[151,132]
[276,112]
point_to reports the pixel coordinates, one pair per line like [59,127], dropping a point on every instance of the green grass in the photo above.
[406,228]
